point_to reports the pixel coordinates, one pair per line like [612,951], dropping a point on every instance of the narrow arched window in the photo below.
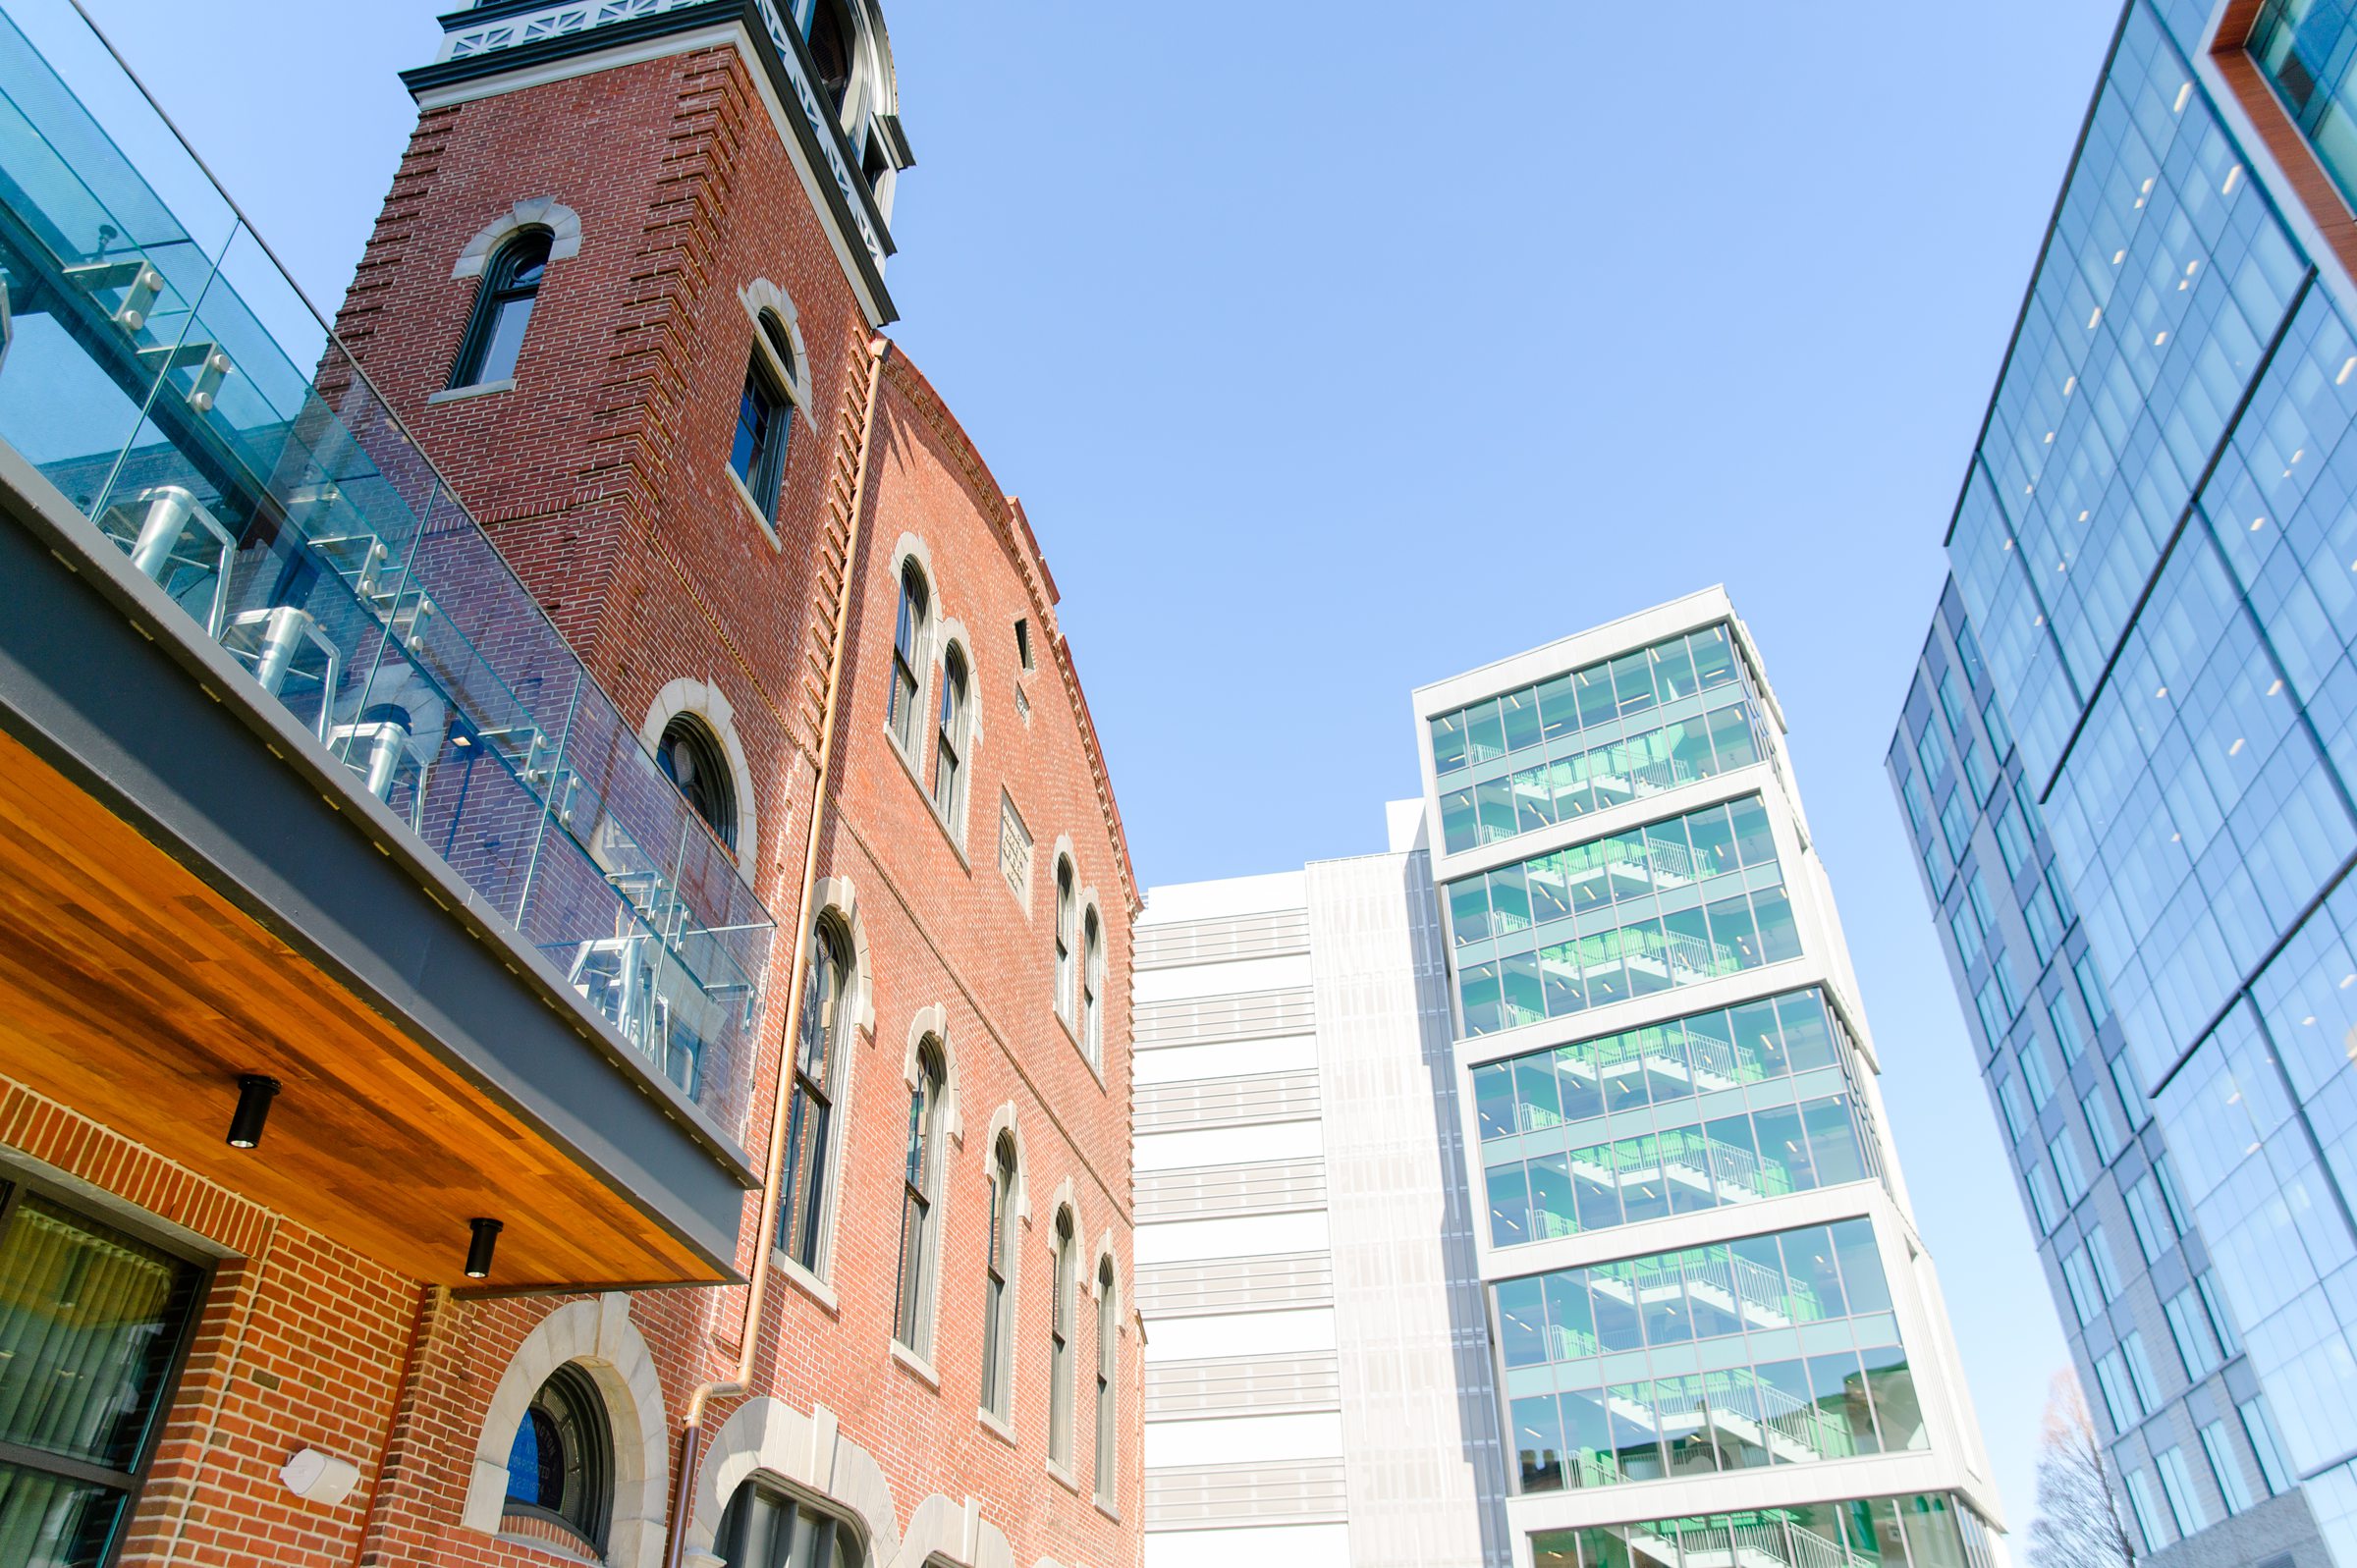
[764,418]
[692,758]
[998,1304]
[1109,1328]
[1092,988]
[560,1463]
[1066,913]
[907,642]
[948,755]
[503,308]
[913,1303]
[826,1007]
[1060,1343]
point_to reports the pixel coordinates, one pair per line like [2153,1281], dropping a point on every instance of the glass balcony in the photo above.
[170,380]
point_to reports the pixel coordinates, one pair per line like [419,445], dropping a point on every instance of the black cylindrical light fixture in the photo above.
[479,1250]
[254,1094]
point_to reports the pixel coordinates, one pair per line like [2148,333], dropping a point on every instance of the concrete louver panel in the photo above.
[1235,1284]
[1227,1102]
[1276,935]
[1226,1192]
[1210,1496]
[1206,1020]
[1244,1385]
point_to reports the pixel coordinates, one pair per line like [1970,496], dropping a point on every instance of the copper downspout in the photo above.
[691,1431]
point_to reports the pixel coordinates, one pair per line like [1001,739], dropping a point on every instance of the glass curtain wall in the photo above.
[1920,1532]
[1720,1107]
[1596,738]
[1775,1349]
[1671,903]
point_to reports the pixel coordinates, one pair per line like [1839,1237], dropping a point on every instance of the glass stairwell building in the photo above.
[2143,876]
[1719,1338]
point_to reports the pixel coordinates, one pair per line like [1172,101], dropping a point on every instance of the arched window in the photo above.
[764,418]
[826,1022]
[911,1312]
[1066,913]
[907,656]
[1092,989]
[1109,1334]
[835,50]
[692,758]
[949,756]
[1060,1342]
[766,1527]
[998,1304]
[503,308]
[561,1465]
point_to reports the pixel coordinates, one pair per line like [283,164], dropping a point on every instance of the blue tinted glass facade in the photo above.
[2155,601]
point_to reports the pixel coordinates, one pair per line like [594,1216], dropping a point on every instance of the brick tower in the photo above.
[627,290]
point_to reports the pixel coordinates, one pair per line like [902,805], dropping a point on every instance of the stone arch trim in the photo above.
[935,1022]
[1104,1250]
[1006,1120]
[564,225]
[1068,1197]
[945,1530]
[809,1453]
[763,298]
[706,701]
[600,1337]
[837,894]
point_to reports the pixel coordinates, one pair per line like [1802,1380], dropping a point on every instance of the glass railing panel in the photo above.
[184,396]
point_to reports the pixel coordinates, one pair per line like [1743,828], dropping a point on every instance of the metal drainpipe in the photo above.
[691,1431]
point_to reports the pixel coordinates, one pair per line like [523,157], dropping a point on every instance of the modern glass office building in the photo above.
[2127,763]
[1718,1335]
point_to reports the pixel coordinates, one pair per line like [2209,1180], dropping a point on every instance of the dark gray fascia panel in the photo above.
[127,716]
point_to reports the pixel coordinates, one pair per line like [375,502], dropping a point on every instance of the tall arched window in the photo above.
[561,1464]
[1092,989]
[764,418]
[1108,1333]
[765,1527]
[907,656]
[692,758]
[1066,914]
[1060,1342]
[949,756]
[503,308]
[825,1013]
[998,1304]
[913,1304]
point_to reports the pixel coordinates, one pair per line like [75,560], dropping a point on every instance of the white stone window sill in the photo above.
[933,810]
[481,389]
[917,1365]
[996,1428]
[1107,1508]
[753,509]
[1064,1477]
[803,1280]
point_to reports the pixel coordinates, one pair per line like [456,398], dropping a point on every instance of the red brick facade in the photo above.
[602,475]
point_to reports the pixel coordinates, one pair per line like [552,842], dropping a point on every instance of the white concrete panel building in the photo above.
[1318,1382]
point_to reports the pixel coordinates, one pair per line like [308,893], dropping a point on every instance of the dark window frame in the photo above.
[802,1206]
[15,1188]
[504,285]
[710,767]
[846,1543]
[763,432]
[593,1419]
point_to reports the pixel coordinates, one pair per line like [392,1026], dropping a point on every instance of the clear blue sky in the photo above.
[1334,349]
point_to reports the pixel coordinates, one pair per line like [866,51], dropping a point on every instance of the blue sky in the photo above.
[1335,348]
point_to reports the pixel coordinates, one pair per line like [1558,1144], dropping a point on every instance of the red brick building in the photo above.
[818,1255]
